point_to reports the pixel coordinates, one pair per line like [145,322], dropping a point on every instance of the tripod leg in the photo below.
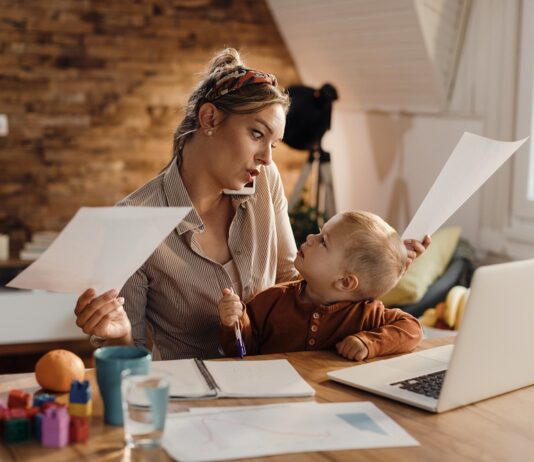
[297,191]
[325,178]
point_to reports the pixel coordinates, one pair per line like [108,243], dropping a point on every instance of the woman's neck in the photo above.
[200,185]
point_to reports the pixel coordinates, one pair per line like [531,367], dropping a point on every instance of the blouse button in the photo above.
[314,328]
[315,315]
[311,342]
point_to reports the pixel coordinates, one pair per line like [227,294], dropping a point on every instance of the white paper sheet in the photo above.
[100,247]
[472,162]
[222,433]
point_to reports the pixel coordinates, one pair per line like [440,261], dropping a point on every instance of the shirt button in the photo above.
[237,252]
[314,328]
[311,342]
[315,315]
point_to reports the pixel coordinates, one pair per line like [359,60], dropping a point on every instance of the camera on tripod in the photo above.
[307,121]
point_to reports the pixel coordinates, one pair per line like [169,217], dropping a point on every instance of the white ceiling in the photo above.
[390,55]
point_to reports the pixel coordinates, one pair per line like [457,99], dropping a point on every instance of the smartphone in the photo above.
[249,188]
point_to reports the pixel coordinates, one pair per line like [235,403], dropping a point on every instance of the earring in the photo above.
[209,132]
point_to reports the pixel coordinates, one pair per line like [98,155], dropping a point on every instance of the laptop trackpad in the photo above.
[416,365]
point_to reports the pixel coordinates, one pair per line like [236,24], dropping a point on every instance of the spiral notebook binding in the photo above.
[212,384]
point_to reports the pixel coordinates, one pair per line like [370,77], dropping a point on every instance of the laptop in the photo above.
[492,353]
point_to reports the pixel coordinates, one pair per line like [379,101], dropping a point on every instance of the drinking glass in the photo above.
[144,403]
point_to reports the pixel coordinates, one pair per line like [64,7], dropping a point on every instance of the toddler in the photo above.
[356,258]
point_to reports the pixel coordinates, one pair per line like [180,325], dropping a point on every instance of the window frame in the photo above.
[522,207]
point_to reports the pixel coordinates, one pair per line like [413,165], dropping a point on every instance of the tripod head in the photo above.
[318,153]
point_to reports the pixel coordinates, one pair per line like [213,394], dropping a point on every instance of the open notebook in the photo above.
[194,378]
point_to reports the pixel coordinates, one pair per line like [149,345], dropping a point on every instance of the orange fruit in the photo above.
[57,369]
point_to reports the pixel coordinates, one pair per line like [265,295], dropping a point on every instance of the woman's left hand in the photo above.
[415,249]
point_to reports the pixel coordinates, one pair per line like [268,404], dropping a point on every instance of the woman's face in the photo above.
[243,143]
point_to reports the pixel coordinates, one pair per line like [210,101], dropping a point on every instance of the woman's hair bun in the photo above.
[225,59]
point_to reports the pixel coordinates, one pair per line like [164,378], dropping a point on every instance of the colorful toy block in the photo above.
[39,400]
[32,412]
[17,430]
[3,411]
[19,399]
[37,426]
[16,414]
[55,428]
[80,392]
[51,405]
[81,410]
[78,429]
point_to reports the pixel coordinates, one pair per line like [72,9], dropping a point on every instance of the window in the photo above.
[523,184]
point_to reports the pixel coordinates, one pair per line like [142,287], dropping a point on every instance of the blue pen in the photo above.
[240,344]
[241,351]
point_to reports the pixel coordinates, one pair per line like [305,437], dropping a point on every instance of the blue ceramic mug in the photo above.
[110,362]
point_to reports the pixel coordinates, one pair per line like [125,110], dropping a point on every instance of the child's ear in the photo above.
[347,283]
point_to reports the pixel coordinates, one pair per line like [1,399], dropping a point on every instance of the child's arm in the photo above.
[386,332]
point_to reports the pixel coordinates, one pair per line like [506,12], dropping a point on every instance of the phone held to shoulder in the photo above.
[249,188]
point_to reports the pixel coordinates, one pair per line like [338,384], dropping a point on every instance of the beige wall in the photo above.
[386,162]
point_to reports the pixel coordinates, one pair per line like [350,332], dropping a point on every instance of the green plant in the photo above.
[304,220]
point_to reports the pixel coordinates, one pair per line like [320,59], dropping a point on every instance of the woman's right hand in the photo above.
[103,316]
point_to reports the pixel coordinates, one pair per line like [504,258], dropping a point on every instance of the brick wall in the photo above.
[93,91]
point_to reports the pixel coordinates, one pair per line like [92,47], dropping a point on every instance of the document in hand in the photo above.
[100,247]
[194,378]
[472,162]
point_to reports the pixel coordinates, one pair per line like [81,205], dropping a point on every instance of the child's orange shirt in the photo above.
[277,321]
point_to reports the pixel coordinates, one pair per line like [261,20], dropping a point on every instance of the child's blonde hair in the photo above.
[374,252]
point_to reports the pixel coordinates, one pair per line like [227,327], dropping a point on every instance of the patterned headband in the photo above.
[237,79]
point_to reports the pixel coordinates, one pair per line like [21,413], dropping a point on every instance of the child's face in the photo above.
[320,259]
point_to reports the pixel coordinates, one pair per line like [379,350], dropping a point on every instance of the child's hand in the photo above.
[415,249]
[230,308]
[352,348]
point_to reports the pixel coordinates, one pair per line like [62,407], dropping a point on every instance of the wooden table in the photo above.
[499,429]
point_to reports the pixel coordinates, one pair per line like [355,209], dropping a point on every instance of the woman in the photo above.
[233,120]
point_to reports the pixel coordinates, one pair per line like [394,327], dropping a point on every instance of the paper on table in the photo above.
[472,162]
[100,247]
[219,433]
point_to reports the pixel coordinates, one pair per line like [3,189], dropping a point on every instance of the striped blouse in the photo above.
[174,295]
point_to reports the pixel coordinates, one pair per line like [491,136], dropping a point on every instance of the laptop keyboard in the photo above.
[428,385]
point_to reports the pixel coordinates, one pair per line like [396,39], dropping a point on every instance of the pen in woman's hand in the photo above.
[239,338]
[240,344]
